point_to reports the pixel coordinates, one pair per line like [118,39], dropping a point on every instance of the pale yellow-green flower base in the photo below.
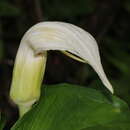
[23,110]
[27,78]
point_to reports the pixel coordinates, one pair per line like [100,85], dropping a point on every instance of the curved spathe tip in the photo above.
[66,37]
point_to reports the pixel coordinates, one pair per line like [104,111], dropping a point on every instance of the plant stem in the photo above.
[23,109]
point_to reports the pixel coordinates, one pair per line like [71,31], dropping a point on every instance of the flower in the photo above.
[32,54]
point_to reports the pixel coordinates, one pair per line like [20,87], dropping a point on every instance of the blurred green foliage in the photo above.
[67,9]
[120,59]
[2,121]
[127,5]
[1,50]
[8,9]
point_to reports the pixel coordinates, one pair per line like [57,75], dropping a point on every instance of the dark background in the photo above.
[107,20]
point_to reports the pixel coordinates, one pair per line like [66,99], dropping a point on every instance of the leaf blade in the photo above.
[70,107]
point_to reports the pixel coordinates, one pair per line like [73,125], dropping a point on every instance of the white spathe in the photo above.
[61,36]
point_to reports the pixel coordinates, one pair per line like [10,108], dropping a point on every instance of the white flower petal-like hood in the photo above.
[61,36]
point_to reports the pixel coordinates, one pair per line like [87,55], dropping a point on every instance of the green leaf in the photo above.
[71,107]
